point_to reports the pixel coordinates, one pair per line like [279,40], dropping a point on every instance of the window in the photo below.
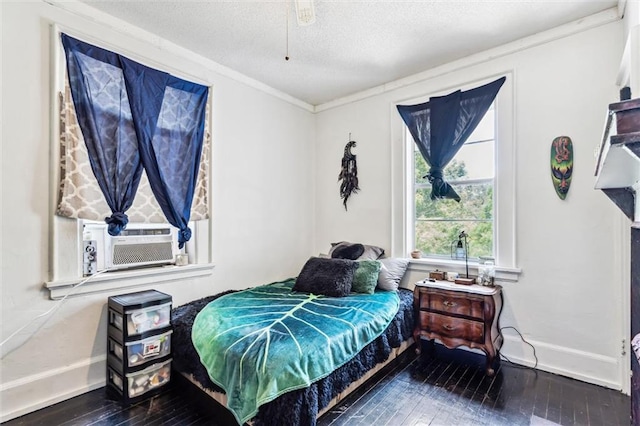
[437,224]
[67,236]
[483,174]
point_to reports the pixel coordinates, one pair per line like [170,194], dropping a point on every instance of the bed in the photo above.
[315,392]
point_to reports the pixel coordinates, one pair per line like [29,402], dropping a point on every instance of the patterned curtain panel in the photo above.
[80,196]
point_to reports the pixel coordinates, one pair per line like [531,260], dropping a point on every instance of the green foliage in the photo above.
[439,222]
[454,170]
[437,237]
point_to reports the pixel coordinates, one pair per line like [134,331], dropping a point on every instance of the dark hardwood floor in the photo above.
[443,388]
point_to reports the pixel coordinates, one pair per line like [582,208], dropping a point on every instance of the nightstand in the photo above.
[459,315]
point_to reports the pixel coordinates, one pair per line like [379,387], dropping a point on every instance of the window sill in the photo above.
[503,274]
[128,278]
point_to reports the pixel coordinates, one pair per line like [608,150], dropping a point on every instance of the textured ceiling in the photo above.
[353,46]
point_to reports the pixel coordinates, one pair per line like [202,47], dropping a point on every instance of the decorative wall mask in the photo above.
[561,165]
[348,174]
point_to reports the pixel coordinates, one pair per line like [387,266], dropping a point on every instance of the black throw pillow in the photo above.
[346,250]
[330,277]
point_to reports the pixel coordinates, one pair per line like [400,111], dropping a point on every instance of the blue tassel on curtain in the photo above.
[442,125]
[131,117]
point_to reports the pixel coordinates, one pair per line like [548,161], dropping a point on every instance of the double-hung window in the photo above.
[483,174]
[437,224]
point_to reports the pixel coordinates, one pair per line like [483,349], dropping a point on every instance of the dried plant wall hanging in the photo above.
[349,173]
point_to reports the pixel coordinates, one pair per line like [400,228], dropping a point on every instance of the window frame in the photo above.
[403,209]
[66,234]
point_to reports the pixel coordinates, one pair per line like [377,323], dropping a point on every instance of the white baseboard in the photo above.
[37,391]
[580,365]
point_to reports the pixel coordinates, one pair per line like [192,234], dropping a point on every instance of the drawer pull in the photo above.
[449,304]
[448,327]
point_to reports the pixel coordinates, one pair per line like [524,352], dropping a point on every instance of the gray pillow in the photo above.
[391,272]
[331,277]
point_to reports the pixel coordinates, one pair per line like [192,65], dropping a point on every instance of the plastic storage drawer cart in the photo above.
[139,344]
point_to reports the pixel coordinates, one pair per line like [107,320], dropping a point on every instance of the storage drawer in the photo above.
[140,321]
[452,303]
[458,328]
[141,382]
[140,351]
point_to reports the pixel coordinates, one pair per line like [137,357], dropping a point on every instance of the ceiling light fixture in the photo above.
[305,12]
[286,58]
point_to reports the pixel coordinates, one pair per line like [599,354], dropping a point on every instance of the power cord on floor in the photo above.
[502,356]
[51,311]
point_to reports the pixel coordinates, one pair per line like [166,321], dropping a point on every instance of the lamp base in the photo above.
[465,281]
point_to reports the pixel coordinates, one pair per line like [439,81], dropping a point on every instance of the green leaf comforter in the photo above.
[260,343]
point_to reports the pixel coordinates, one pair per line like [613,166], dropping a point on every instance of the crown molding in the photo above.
[87,12]
[580,25]
[91,14]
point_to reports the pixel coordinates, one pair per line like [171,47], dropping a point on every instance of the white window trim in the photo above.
[127,278]
[504,186]
[65,242]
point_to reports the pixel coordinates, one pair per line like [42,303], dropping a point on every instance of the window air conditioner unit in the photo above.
[137,245]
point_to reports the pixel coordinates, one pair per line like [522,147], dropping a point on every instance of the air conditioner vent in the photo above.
[125,254]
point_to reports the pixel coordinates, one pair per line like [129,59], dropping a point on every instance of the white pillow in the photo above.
[391,272]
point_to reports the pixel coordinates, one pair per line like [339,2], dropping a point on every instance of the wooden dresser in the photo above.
[459,315]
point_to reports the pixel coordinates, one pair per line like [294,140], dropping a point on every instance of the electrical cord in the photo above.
[523,339]
[52,310]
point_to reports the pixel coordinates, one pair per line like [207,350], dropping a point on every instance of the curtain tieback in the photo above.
[440,188]
[434,175]
[117,221]
[183,236]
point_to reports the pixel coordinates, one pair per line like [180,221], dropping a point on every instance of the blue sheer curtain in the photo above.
[104,116]
[131,117]
[442,125]
[169,114]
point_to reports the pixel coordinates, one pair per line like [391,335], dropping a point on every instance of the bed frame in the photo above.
[191,376]
[221,398]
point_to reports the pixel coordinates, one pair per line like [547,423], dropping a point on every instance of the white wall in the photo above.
[567,301]
[262,202]
[630,64]
[631,15]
